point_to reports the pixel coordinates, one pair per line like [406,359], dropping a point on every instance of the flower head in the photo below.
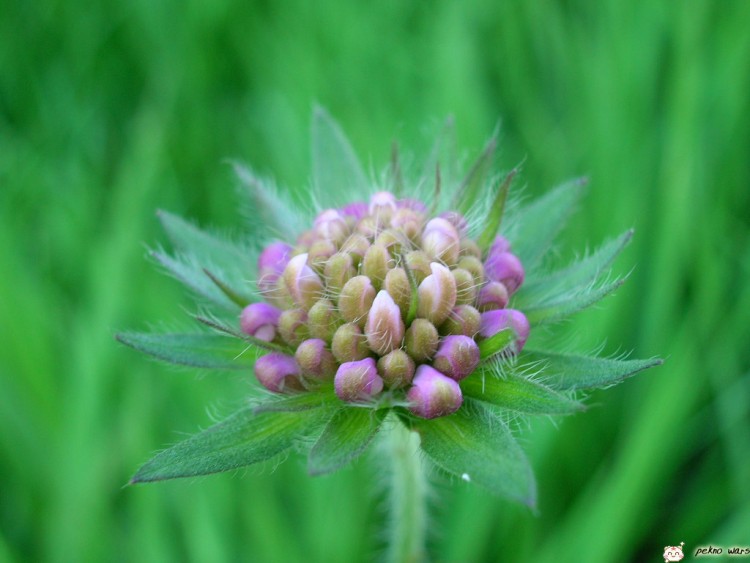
[422,305]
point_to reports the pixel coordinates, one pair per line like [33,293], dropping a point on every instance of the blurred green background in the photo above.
[111,110]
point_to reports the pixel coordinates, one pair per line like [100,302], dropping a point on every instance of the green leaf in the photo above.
[566,305]
[337,173]
[574,278]
[242,439]
[473,184]
[299,402]
[188,271]
[537,224]
[495,212]
[495,343]
[204,350]
[475,445]
[518,394]
[569,371]
[345,437]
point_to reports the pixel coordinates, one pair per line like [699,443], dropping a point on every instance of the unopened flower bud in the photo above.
[324,319]
[315,359]
[338,270]
[358,209]
[457,357]
[463,319]
[474,266]
[433,394]
[408,222]
[349,343]
[356,299]
[457,220]
[419,264]
[437,294]
[260,320]
[470,248]
[396,368]
[384,328]
[357,381]
[375,264]
[397,285]
[302,282]
[305,239]
[421,340]
[501,319]
[275,257]
[382,204]
[492,296]
[370,226]
[331,225]
[392,240]
[466,289]
[293,326]
[356,246]
[440,241]
[412,204]
[499,245]
[506,268]
[278,372]
[319,253]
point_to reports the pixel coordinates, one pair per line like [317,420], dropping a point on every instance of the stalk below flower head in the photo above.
[368,281]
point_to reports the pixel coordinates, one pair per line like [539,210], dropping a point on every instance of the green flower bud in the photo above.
[293,326]
[397,285]
[440,241]
[474,266]
[466,290]
[349,343]
[421,340]
[316,360]
[324,319]
[470,248]
[375,264]
[320,251]
[463,319]
[419,264]
[437,294]
[396,369]
[356,299]
[338,270]
[301,281]
[392,240]
[356,246]
[408,222]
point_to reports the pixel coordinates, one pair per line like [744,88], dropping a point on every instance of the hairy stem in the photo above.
[408,495]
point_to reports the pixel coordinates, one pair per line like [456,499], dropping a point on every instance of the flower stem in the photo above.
[408,495]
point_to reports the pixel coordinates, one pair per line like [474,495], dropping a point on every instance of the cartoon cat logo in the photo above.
[673,553]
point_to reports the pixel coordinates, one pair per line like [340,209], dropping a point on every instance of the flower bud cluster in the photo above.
[379,297]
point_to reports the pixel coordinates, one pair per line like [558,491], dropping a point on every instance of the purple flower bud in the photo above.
[260,320]
[433,394]
[492,296]
[302,282]
[506,268]
[396,368]
[457,220]
[440,241]
[349,343]
[357,381]
[278,372]
[356,299]
[331,225]
[457,357]
[412,204]
[357,209]
[463,319]
[275,257]
[437,294]
[421,340]
[501,319]
[315,359]
[384,328]
[382,202]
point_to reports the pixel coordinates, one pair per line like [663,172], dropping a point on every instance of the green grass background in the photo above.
[110,110]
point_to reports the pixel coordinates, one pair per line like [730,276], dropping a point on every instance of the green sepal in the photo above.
[495,212]
[475,445]
[473,184]
[337,172]
[299,402]
[242,439]
[570,371]
[345,437]
[566,305]
[518,394]
[203,350]
[538,223]
[573,279]
[495,343]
